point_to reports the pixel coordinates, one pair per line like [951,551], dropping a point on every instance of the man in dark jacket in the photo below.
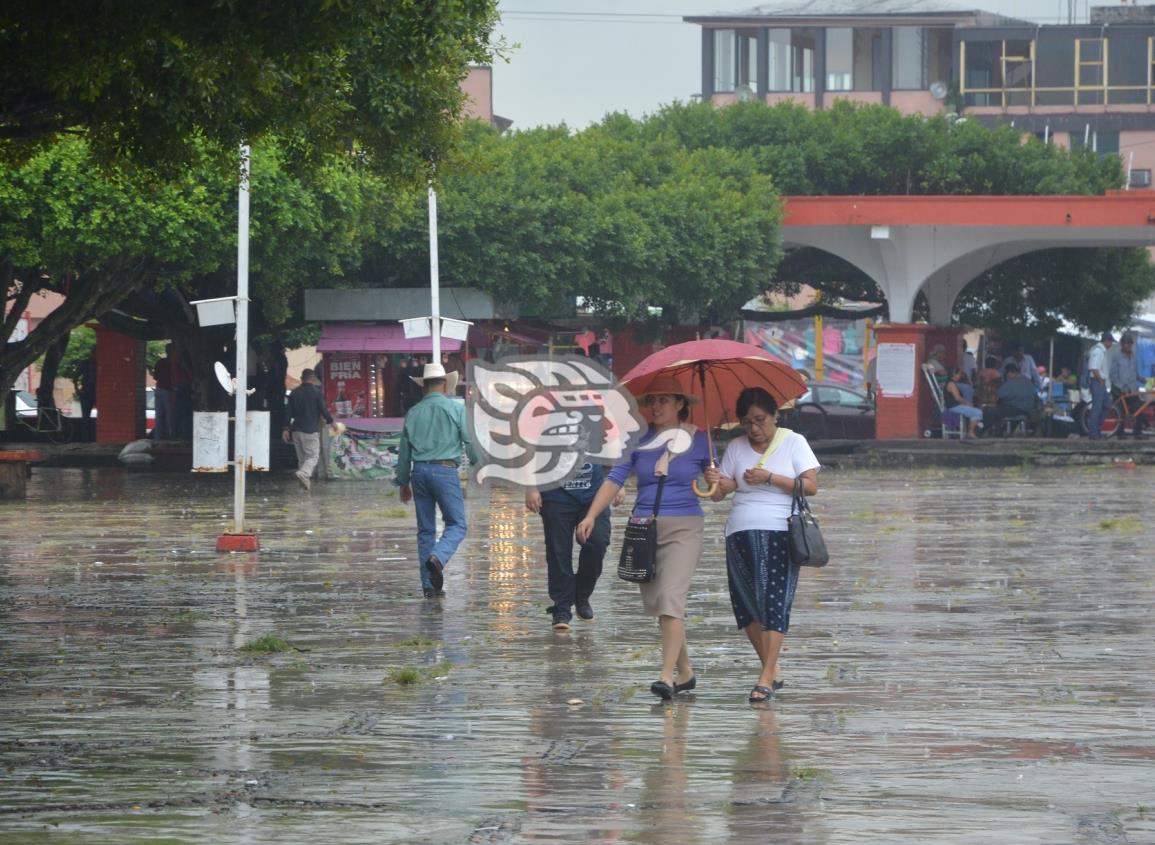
[303,429]
[1017,397]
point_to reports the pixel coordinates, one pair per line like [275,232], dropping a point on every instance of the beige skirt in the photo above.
[679,547]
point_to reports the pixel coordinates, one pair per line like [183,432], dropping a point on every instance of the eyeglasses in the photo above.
[756,422]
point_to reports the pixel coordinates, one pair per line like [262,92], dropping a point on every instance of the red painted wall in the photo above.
[899,417]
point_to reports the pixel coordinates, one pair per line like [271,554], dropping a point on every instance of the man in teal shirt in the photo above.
[427,470]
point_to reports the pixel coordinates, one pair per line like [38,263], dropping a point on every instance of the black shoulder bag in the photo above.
[639,561]
[807,548]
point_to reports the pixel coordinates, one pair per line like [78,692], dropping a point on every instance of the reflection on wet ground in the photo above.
[975,665]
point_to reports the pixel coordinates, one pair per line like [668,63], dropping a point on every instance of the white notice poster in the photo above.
[895,369]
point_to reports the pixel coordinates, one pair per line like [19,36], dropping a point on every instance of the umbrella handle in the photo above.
[704,494]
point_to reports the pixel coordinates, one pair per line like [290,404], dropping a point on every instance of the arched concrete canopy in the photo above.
[940,244]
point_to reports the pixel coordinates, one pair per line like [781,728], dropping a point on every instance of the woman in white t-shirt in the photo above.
[760,469]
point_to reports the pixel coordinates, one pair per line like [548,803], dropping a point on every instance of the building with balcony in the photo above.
[1087,84]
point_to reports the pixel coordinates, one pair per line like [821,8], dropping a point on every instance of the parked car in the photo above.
[25,404]
[149,409]
[832,411]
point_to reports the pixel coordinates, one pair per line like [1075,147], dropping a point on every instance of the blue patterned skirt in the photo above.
[762,579]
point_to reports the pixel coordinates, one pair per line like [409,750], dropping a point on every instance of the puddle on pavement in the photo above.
[974,664]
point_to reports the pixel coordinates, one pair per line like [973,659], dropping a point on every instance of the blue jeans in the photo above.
[1100,402]
[436,486]
[559,520]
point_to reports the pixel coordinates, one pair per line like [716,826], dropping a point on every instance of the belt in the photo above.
[452,464]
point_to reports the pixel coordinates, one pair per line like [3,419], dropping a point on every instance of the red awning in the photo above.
[360,337]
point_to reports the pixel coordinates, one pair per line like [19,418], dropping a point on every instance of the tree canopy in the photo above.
[544,216]
[159,84]
[103,240]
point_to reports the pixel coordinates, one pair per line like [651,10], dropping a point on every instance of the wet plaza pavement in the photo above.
[975,665]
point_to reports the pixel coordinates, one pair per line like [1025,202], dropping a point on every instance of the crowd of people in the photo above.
[1016,389]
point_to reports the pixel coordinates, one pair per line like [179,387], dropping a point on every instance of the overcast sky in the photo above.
[580,59]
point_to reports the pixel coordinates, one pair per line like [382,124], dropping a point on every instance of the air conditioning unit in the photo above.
[1140,179]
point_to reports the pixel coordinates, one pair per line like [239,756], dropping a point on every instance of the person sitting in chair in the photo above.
[958,396]
[1017,397]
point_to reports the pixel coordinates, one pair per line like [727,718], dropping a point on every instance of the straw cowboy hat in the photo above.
[668,385]
[435,371]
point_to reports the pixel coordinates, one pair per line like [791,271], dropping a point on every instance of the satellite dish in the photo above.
[939,90]
[226,380]
[744,93]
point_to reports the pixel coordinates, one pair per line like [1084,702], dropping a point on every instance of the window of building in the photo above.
[725,59]
[939,42]
[1106,143]
[982,72]
[1090,71]
[1140,178]
[803,46]
[1127,69]
[735,59]
[1018,71]
[1054,68]
[780,77]
[919,57]
[908,58]
[1103,142]
[854,60]
[840,59]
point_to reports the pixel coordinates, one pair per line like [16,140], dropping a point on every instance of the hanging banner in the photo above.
[364,455]
[346,384]
[797,342]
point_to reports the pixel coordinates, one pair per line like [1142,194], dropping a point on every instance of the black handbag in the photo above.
[807,548]
[639,560]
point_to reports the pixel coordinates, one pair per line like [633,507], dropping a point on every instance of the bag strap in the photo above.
[779,438]
[658,497]
[799,504]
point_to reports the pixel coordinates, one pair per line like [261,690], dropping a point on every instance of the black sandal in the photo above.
[777,685]
[760,695]
[689,685]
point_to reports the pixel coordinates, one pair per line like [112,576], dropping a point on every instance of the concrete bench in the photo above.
[14,470]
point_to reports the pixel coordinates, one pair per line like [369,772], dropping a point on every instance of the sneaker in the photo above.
[561,620]
[303,480]
[584,611]
[429,592]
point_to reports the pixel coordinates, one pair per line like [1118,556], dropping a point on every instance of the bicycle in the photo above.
[1127,412]
[50,423]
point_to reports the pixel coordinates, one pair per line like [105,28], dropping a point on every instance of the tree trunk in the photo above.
[45,393]
[95,294]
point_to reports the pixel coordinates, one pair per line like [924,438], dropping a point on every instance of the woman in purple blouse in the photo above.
[672,449]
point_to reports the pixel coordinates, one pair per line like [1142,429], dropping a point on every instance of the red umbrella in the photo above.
[717,371]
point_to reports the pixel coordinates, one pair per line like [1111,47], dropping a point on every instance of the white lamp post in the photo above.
[212,312]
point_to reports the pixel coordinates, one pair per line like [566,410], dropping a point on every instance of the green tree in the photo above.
[103,240]
[1033,295]
[626,222]
[159,84]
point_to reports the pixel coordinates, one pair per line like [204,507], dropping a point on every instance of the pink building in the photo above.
[478,88]
[1087,84]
